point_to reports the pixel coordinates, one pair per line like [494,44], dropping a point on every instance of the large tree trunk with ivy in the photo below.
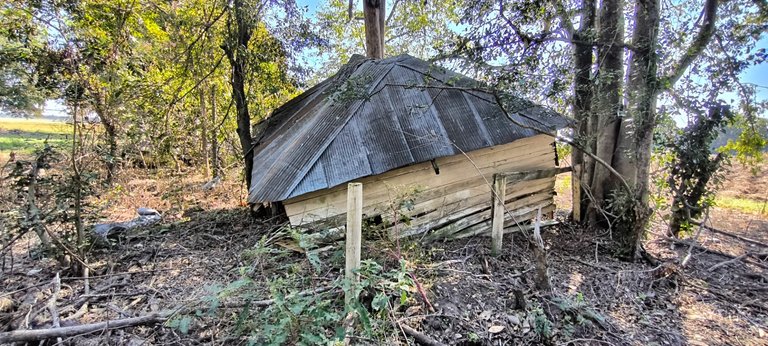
[604,122]
[632,157]
[693,169]
[240,29]
[623,138]
[583,89]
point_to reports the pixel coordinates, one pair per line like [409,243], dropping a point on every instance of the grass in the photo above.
[563,183]
[37,126]
[23,136]
[745,205]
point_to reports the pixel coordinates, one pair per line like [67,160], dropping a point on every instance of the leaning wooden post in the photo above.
[576,193]
[354,227]
[497,226]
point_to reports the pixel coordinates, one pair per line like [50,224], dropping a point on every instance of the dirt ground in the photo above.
[207,240]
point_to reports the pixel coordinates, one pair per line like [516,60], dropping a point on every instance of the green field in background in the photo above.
[23,136]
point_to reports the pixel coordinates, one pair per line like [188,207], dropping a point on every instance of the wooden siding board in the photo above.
[512,151]
[379,191]
[478,201]
[455,170]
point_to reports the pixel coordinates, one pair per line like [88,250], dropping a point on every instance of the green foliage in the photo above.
[541,324]
[140,66]
[53,205]
[419,28]
[298,318]
[29,64]
[751,143]
[694,173]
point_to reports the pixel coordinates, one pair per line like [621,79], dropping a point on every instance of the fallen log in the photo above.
[43,334]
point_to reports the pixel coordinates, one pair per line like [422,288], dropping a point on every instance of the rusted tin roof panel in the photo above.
[355,158]
[375,116]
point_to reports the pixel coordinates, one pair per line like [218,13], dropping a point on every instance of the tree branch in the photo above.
[43,334]
[697,46]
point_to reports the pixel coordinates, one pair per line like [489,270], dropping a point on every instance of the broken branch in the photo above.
[43,334]
[421,338]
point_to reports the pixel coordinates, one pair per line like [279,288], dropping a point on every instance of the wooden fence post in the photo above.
[354,228]
[576,193]
[498,210]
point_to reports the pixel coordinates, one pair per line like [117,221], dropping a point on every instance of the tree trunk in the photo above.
[111,161]
[623,142]
[582,108]
[77,182]
[236,47]
[204,133]
[32,216]
[214,135]
[607,101]
[110,131]
[373,11]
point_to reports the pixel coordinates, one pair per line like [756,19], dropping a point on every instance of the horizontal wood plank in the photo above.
[535,174]
[427,185]
[484,228]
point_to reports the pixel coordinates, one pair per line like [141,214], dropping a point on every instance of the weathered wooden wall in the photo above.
[456,200]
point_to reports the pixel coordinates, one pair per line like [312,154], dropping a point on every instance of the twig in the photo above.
[52,304]
[585,341]
[10,242]
[420,337]
[268,302]
[724,263]
[748,240]
[711,289]
[695,237]
[23,289]
[79,313]
[422,293]
[43,334]
[746,259]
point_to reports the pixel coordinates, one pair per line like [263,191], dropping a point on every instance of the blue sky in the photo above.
[311,5]
[758,74]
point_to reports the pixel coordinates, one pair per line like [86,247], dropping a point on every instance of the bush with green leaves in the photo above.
[297,317]
[49,195]
[694,172]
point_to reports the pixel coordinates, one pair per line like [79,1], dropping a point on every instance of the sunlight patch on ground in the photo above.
[746,205]
[706,324]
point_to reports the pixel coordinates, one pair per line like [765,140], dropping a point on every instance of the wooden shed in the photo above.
[425,142]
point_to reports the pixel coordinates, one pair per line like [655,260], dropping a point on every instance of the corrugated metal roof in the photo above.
[377,115]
